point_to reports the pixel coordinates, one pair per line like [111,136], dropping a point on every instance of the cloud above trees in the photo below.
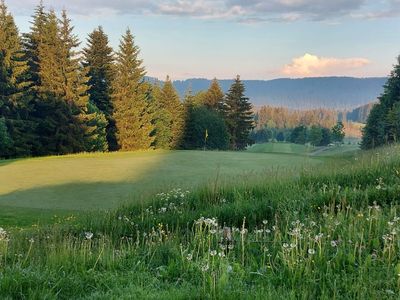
[245,11]
[310,65]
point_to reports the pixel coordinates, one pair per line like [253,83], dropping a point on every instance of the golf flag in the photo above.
[206,136]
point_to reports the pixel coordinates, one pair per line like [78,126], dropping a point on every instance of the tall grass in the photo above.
[331,233]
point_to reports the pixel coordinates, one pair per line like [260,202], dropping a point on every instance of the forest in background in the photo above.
[57,99]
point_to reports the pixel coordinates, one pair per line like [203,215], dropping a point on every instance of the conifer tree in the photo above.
[132,113]
[384,119]
[238,115]
[90,122]
[14,107]
[169,117]
[214,96]
[99,59]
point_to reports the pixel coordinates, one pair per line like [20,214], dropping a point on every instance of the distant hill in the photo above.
[326,92]
[360,114]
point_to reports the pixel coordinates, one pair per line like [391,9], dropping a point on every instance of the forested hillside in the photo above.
[327,92]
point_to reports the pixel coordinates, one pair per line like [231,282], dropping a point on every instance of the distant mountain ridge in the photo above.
[304,93]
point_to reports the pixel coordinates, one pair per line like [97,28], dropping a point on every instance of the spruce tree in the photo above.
[132,113]
[14,105]
[214,96]
[383,120]
[99,59]
[169,117]
[238,115]
[90,123]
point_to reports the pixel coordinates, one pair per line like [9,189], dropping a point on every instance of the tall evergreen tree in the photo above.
[90,121]
[214,96]
[99,59]
[169,117]
[238,115]
[14,107]
[132,113]
[384,119]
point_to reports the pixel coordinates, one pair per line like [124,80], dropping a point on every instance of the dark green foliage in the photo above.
[262,135]
[299,135]
[338,132]
[315,135]
[5,139]
[205,128]
[169,116]
[326,136]
[384,119]
[14,104]
[98,59]
[238,115]
[132,112]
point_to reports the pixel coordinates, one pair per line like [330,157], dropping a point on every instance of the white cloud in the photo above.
[310,65]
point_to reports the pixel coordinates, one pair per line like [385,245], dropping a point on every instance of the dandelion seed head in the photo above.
[88,235]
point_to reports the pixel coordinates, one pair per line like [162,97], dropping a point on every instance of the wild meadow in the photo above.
[330,233]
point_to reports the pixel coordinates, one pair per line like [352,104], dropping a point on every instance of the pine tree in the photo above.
[214,96]
[384,119]
[162,119]
[169,117]
[89,121]
[132,113]
[14,107]
[99,59]
[238,115]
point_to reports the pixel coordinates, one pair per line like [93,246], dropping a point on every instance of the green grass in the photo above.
[281,148]
[327,233]
[104,181]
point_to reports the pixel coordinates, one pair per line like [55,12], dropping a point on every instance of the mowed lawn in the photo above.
[288,148]
[107,180]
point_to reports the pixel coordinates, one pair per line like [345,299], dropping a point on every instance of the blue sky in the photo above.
[257,39]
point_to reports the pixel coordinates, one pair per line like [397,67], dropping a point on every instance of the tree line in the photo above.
[58,99]
[383,123]
[315,135]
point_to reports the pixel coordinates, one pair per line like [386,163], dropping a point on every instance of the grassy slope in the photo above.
[341,214]
[102,181]
[280,148]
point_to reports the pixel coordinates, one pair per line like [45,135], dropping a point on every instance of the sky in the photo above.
[258,39]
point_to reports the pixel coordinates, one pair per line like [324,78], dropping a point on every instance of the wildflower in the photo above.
[31,240]
[292,245]
[334,243]
[267,231]
[88,235]
[318,236]
[243,231]
[3,235]
[189,257]
[311,251]
[265,222]
[285,245]
[227,234]
[213,252]
[221,254]
[205,268]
